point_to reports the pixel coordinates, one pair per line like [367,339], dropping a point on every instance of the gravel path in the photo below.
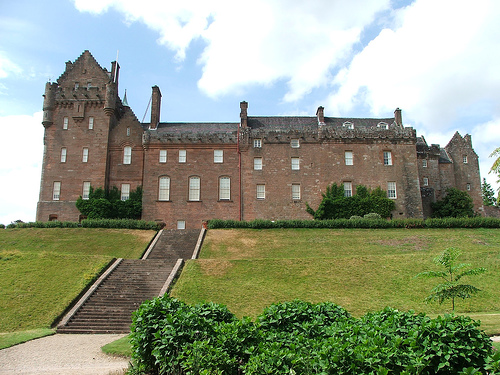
[62,354]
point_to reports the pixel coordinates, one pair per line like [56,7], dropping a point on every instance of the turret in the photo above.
[49,99]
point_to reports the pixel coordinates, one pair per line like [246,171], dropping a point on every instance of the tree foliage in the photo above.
[488,194]
[456,203]
[451,275]
[335,205]
[106,204]
[495,168]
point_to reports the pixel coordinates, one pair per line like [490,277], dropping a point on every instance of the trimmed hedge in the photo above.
[171,337]
[358,222]
[92,223]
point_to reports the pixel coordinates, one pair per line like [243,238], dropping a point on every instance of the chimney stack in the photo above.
[243,114]
[320,113]
[398,118]
[155,107]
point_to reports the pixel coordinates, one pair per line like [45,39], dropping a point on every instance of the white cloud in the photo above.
[440,59]
[21,151]
[7,67]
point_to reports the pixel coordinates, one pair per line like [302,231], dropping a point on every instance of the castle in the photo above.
[255,168]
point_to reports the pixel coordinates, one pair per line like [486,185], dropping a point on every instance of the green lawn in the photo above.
[43,270]
[361,270]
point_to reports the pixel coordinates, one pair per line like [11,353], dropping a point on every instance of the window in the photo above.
[424,163]
[77,85]
[86,190]
[163,156]
[125,192]
[296,192]
[182,156]
[465,159]
[347,189]
[128,132]
[63,155]
[127,155]
[295,164]
[56,191]
[295,143]
[85,155]
[468,187]
[391,190]
[65,123]
[348,158]
[387,158]
[181,224]
[383,125]
[194,188]
[257,164]
[224,188]
[218,156]
[257,143]
[426,181]
[261,191]
[348,125]
[164,189]
[89,85]
[91,123]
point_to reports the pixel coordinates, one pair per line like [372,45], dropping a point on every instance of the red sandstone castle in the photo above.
[258,167]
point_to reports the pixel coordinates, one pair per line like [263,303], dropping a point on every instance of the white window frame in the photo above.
[257,143]
[295,143]
[194,189]
[424,163]
[91,123]
[261,191]
[64,154]
[348,125]
[218,156]
[181,224]
[387,157]
[347,189]
[85,155]
[56,191]
[426,181]
[128,132]
[163,156]
[127,155]
[468,186]
[125,192]
[164,188]
[348,157]
[295,164]
[224,188]
[295,192]
[182,156]
[65,123]
[392,190]
[383,125]
[257,164]
[465,159]
[86,190]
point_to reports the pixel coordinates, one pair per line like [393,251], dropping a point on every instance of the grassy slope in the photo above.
[362,270]
[43,270]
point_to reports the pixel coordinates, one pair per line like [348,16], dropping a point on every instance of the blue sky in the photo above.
[437,60]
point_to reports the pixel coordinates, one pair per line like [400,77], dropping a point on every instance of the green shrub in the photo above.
[456,203]
[103,204]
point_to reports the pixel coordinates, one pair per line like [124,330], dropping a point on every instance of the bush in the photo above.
[170,337]
[108,205]
[456,203]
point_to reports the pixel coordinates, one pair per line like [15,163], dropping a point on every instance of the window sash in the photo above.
[182,156]
[218,156]
[347,189]
[348,158]
[257,143]
[424,163]
[465,160]
[295,164]
[127,155]
[257,164]
[56,191]
[426,181]
[85,155]
[194,189]
[294,143]
[63,154]
[296,191]
[391,190]
[387,158]
[125,192]
[163,156]
[164,189]
[86,190]
[224,188]
[91,123]
[261,191]
[65,123]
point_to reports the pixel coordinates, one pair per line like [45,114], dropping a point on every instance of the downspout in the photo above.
[239,170]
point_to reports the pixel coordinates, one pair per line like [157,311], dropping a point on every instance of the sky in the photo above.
[437,60]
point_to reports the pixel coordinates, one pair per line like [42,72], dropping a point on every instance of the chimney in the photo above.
[243,114]
[320,113]
[398,118]
[155,107]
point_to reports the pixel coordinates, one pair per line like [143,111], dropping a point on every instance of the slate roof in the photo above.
[283,123]
[197,127]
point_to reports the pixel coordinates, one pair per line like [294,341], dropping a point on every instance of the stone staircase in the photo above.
[108,305]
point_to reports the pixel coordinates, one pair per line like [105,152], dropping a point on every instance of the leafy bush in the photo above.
[170,337]
[2,226]
[108,205]
[456,203]
[98,223]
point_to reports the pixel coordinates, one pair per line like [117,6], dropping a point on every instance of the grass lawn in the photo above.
[43,270]
[361,270]
[13,338]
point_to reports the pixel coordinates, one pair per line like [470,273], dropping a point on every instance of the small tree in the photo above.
[488,194]
[450,288]
[456,203]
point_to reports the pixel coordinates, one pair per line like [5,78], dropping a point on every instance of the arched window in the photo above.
[348,125]
[194,188]
[127,155]
[164,188]
[383,125]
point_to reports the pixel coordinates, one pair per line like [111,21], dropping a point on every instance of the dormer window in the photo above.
[383,125]
[294,143]
[348,125]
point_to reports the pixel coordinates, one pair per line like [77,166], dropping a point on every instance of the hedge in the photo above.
[92,223]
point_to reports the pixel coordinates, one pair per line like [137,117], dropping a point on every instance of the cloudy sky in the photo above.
[437,60]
